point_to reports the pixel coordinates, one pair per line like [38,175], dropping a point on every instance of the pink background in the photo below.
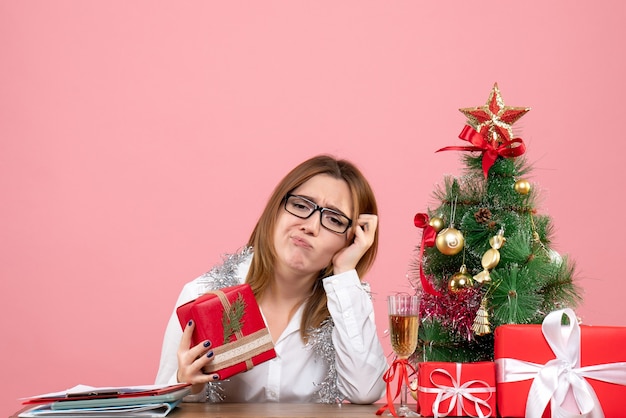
[140,140]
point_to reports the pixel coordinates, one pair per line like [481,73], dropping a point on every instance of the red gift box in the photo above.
[230,318]
[574,368]
[456,389]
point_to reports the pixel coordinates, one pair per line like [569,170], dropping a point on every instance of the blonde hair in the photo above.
[261,271]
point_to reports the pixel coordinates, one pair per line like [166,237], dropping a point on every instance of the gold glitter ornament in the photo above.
[522,186]
[460,280]
[481,325]
[436,223]
[450,241]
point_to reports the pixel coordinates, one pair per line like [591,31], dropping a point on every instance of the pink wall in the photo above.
[139,141]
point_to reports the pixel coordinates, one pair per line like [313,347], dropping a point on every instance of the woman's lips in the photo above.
[301,242]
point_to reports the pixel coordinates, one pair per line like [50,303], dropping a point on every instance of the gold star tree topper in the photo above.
[493,120]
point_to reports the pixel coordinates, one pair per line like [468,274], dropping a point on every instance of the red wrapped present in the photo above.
[456,389]
[230,318]
[576,369]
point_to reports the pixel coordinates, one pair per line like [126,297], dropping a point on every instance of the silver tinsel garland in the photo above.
[320,339]
[225,274]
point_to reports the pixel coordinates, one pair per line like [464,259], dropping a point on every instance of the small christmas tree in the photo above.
[485,257]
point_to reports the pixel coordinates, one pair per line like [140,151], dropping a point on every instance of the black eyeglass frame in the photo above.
[316,208]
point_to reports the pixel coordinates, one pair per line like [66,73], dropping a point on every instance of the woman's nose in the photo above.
[312,224]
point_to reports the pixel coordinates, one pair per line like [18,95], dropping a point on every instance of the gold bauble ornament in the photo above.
[522,186]
[460,280]
[436,223]
[450,241]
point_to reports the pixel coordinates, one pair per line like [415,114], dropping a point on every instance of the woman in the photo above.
[316,237]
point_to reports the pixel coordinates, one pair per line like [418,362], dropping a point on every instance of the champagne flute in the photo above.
[403,327]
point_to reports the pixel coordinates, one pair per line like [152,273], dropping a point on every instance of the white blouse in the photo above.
[292,376]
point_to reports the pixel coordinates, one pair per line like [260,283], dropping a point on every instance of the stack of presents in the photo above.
[556,369]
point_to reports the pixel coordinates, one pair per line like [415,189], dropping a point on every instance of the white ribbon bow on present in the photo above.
[555,379]
[457,392]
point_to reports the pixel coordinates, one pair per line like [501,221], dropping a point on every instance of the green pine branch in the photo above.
[232,319]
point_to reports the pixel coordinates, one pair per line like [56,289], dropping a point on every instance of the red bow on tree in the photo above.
[491,150]
[429,235]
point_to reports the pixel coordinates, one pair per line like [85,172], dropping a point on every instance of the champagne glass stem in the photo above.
[404,410]
[403,394]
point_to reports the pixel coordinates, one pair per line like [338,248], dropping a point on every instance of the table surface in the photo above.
[277,410]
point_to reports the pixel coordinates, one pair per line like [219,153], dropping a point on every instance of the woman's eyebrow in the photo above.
[331,207]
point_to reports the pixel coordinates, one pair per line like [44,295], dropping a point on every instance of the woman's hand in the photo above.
[192,361]
[364,233]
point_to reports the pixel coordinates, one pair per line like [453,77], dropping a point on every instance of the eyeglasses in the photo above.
[330,219]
